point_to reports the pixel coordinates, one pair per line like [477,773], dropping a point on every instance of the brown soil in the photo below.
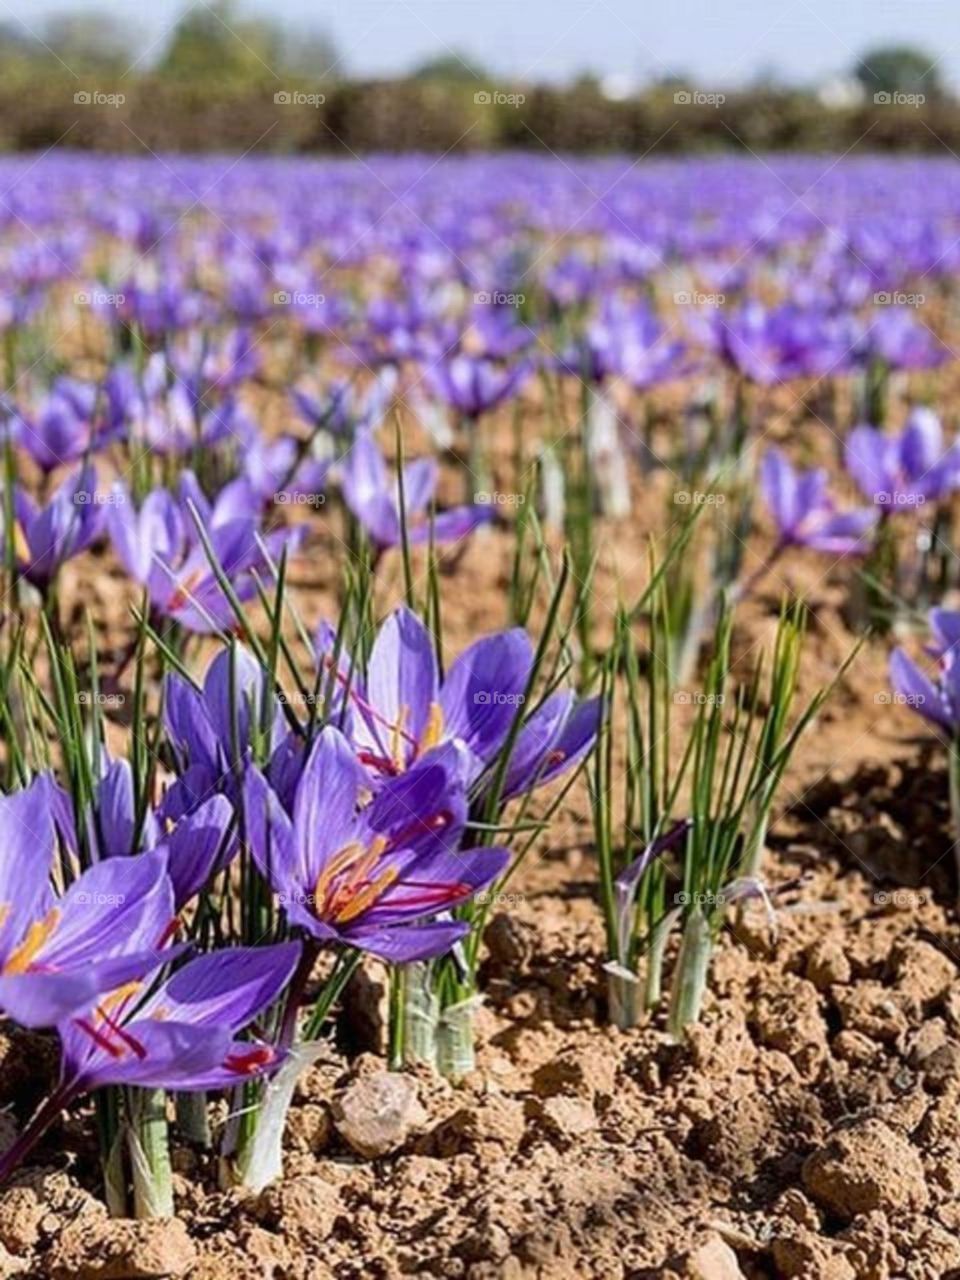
[809,1128]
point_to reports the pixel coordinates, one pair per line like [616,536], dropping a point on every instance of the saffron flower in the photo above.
[472,385]
[200,843]
[160,548]
[904,470]
[370,876]
[185,1034]
[804,512]
[373,496]
[61,950]
[937,700]
[211,728]
[403,710]
[58,530]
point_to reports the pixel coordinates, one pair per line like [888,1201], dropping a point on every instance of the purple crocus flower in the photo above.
[472,385]
[160,548]
[804,513]
[373,496]
[403,710]
[201,727]
[197,844]
[185,1034]
[59,529]
[59,951]
[938,701]
[370,877]
[56,434]
[904,470]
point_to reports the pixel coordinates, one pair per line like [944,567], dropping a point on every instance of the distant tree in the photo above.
[454,68]
[898,69]
[310,54]
[212,43]
[89,40]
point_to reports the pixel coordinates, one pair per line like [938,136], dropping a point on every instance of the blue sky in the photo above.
[715,43]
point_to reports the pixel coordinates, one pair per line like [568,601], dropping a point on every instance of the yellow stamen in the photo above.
[366,897]
[5,909]
[23,956]
[434,730]
[117,997]
[339,862]
[348,899]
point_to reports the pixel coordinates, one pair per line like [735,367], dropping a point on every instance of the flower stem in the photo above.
[148,1140]
[456,1056]
[690,978]
[193,1119]
[419,1014]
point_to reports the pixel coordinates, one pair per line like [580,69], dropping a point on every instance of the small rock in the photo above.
[120,1249]
[307,1207]
[712,1260]
[376,1115]
[793,1204]
[863,1168]
[565,1117]
[493,1120]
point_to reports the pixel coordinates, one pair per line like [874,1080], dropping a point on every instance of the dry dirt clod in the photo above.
[804,1255]
[377,1115]
[564,1117]
[119,1249]
[922,971]
[863,1168]
[711,1260]
[827,963]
